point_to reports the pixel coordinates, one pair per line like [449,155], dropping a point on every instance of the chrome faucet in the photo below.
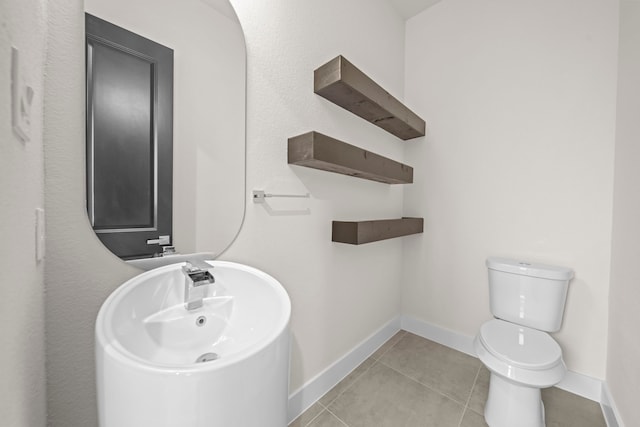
[197,274]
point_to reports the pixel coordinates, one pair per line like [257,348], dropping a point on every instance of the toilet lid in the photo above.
[520,346]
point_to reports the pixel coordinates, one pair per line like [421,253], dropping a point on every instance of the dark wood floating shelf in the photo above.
[318,151]
[342,83]
[359,232]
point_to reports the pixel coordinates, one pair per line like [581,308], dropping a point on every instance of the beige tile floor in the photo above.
[414,382]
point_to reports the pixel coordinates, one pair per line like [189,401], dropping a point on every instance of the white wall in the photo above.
[22,377]
[80,272]
[520,102]
[340,294]
[623,371]
[519,98]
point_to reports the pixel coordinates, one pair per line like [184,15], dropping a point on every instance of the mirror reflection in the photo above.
[132,119]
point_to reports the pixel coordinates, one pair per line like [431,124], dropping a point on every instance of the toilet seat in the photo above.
[519,345]
[519,354]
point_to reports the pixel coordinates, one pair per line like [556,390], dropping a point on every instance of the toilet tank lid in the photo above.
[526,268]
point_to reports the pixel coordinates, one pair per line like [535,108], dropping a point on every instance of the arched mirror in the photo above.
[166,82]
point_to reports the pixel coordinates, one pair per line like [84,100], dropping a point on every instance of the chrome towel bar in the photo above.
[260,195]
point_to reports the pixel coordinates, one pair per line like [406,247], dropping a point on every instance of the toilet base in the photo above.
[510,405]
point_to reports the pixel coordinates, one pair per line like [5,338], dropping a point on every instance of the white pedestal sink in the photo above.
[225,364]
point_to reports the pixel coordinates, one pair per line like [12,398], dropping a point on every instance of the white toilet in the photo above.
[527,301]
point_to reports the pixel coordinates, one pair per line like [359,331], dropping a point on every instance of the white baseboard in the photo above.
[301,399]
[611,414]
[582,385]
[438,334]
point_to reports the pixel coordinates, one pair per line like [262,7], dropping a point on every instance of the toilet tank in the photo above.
[528,294]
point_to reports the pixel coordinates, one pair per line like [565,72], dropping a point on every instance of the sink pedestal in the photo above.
[224,364]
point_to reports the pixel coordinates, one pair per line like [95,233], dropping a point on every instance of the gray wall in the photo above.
[623,371]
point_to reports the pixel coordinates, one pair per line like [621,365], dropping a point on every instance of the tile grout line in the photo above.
[324,408]
[355,380]
[338,418]
[390,347]
[464,402]
[466,405]
[430,387]
[375,360]
[424,385]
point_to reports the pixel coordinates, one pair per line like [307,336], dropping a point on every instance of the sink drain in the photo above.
[201,320]
[207,357]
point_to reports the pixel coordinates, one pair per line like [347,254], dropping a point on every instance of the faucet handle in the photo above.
[198,272]
[161,240]
[197,265]
[168,250]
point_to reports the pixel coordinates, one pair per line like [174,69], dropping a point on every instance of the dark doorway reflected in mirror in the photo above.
[129,139]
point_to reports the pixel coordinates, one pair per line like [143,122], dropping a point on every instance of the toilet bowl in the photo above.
[527,301]
[521,360]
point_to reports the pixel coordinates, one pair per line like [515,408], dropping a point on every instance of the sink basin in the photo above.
[159,364]
[174,339]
